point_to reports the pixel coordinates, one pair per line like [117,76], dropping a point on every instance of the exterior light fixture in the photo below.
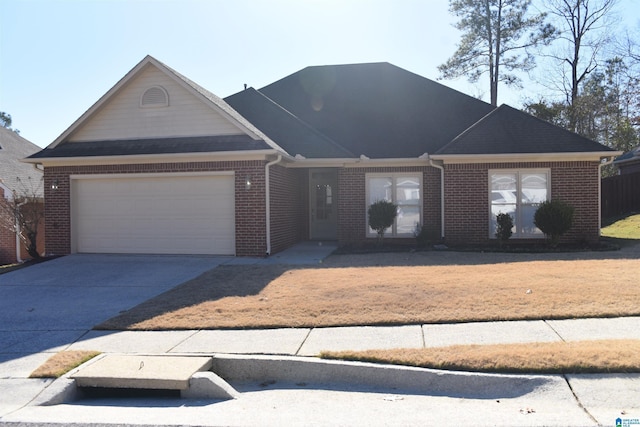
[247,183]
[54,184]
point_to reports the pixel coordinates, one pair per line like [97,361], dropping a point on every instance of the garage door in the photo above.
[166,214]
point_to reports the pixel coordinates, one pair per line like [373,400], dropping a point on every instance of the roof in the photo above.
[632,155]
[14,174]
[507,130]
[292,134]
[377,109]
[200,144]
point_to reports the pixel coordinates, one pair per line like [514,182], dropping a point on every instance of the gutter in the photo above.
[267,167]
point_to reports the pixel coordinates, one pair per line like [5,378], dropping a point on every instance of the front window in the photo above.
[518,193]
[403,190]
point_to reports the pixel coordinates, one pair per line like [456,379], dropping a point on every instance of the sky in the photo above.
[58,57]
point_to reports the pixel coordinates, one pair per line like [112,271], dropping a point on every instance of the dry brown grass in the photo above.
[61,363]
[607,356]
[277,296]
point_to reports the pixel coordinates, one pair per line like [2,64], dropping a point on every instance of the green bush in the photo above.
[381,216]
[503,227]
[554,218]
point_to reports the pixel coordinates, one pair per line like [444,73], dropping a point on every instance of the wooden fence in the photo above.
[620,195]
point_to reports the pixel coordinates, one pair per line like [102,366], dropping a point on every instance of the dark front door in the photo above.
[323,206]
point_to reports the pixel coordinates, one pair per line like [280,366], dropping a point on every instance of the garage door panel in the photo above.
[167,215]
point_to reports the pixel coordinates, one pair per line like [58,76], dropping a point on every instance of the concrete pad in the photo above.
[142,371]
[488,333]
[597,329]
[608,396]
[361,338]
[17,393]
[263,341]
[148,342]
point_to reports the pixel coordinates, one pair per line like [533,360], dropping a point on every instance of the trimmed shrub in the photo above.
[554,218]
[382,214]
[503,227]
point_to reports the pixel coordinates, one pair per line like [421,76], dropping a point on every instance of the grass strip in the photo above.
[577,357]
[62,362]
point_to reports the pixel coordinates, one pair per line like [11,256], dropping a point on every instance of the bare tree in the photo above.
[495,39]
[583,26]
[22,212]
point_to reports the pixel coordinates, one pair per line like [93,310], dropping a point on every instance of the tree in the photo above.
[5,121]
[22,212]
[583,31]
[382,214]
[495,41]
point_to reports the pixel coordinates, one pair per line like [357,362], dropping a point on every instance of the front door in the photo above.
[323,204]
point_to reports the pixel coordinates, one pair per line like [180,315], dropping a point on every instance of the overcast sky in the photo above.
[59,57]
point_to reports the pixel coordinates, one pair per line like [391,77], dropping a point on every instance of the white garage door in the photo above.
[168,214]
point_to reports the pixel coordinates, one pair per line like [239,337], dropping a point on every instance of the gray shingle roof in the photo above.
[378,109]
[14,174]
[292,134]
[507,130]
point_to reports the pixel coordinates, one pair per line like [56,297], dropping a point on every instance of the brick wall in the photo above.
[8,243]
[249,204]
[467,206]
[352,209]
[289,207]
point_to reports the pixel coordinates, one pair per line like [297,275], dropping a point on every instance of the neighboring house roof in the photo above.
[377,109]
[630,156]
[14,174]
[507,130]
[292,134]
[154,146]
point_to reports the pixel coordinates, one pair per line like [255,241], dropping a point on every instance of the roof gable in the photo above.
[507,130]
[378,109]
[192,111]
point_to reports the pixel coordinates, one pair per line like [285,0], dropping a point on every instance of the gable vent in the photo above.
[155,96]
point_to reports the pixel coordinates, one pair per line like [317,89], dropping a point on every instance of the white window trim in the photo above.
[518,172]
[393,176]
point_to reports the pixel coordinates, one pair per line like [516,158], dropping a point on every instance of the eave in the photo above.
[154,158]
[524,157]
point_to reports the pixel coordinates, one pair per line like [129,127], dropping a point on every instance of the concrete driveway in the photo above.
[56,302]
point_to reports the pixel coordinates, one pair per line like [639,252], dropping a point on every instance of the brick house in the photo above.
[161,165]
[23,179]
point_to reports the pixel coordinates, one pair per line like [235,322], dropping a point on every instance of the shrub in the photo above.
[381,216]
[504,226]
[422,235]
[554,218]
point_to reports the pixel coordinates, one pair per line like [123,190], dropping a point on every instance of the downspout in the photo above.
[431,163]
[268,200]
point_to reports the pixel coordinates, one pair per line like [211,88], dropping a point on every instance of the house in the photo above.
[161,165]
[21,179]
[629,162]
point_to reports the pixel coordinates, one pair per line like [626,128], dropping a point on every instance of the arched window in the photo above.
[155,96]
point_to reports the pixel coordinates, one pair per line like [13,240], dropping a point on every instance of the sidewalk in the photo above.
[339,393]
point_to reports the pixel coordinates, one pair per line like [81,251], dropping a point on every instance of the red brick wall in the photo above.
[352,227]
[8,243]
[467,201]
[250,204]
[289,190]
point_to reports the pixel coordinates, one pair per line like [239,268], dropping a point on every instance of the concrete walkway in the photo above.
[288,387]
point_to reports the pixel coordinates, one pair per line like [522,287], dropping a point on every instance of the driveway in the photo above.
[56,302]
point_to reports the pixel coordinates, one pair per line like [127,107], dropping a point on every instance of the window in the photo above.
[518,193]
[155,96]
[404,190]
